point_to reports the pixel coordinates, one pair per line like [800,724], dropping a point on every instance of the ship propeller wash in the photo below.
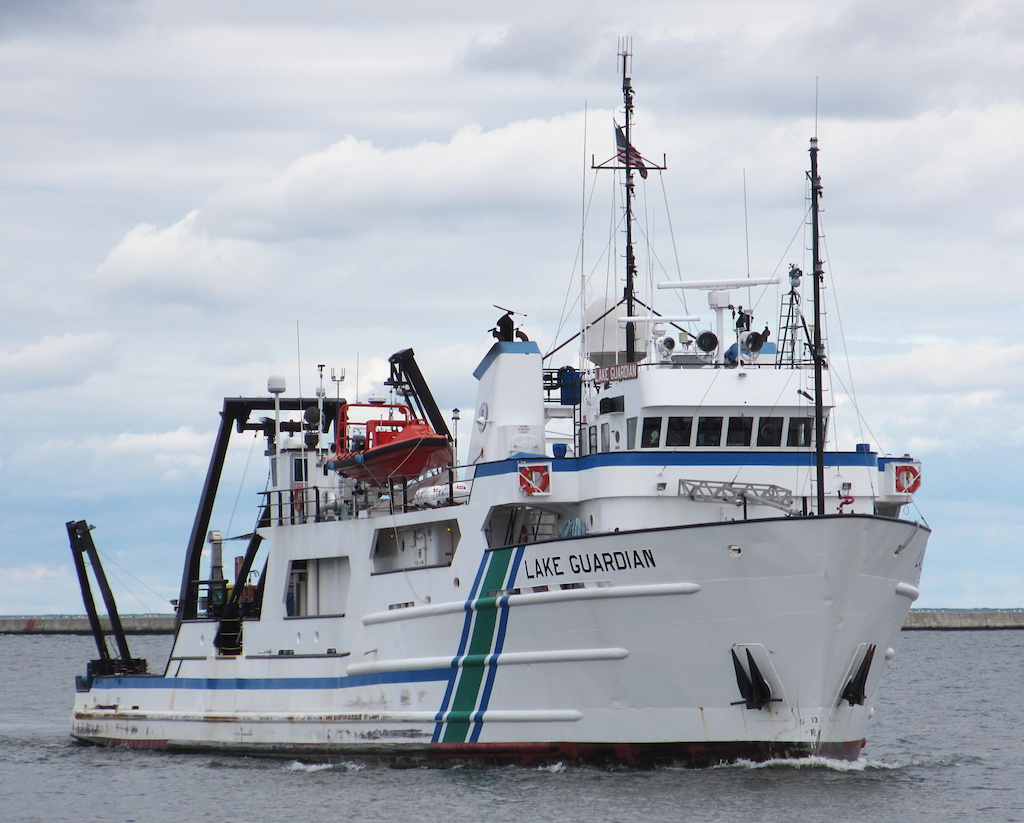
[653,555]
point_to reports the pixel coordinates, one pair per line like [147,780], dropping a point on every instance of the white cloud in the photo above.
[974,372]
[56,360]
[182,264]
[182,447]
[39,589]
[354,186]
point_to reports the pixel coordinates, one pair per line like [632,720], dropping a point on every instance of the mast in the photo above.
[629,160]
[818,349]
[629,291]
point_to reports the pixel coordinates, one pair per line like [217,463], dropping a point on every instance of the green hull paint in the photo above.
[485,613]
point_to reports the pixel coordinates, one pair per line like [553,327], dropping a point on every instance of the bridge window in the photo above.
[606,444]
[709,431]
[630,432]
[739,431]
[769,431]
[678,431]
[801,431]
[650,438]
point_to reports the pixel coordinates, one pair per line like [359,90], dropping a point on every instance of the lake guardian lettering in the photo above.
[554,565]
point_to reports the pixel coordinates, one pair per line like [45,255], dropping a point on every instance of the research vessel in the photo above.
[651,555]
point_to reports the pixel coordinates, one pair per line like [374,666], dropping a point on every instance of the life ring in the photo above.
[534,479]
[908,479]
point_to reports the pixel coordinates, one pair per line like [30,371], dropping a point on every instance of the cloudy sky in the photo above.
[196,195]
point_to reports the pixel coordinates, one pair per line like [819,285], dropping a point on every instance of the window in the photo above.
[801,431]
[317,586]
[739,431]
[593,440]
[631,433]
[297,596]
[769,431]
[650,438]
[678,431]
[606,444]
[610,405]
[709,431]
[299,470]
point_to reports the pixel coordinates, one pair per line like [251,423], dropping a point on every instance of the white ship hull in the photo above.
[634,665]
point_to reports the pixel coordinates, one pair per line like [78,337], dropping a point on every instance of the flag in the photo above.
[627,151]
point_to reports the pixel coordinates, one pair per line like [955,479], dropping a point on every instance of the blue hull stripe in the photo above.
[270,683]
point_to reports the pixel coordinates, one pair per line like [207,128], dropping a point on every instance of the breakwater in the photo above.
[132,624]
[918,619]
[955,619]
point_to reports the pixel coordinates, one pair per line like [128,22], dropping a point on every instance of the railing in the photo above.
[302,504]
[314,504]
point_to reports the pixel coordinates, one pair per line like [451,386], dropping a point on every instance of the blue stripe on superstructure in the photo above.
[685,458]
[499,645]
[268,683]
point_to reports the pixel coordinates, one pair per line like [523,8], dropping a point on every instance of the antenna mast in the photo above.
[629,291]
[818,349]
[631,162]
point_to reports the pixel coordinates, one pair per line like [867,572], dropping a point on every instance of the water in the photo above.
[946,744]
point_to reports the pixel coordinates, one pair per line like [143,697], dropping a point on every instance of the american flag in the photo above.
[627,151]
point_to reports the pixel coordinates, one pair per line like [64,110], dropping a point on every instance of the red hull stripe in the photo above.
[639,755]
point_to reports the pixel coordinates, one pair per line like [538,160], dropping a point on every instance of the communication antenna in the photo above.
[508,311]
[746,225]
[337,378]
[298,357]
[816,108]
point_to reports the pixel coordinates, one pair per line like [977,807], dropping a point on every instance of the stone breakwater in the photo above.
[155,624]
[954,619]
[918,619]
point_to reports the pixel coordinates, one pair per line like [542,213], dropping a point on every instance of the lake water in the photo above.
[946,744]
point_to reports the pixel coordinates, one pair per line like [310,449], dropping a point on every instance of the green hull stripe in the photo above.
[481,643]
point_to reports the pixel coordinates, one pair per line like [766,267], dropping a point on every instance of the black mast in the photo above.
[818,352]
[631,161]
[629,291]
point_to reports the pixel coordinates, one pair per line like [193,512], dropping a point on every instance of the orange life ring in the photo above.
[534,479]
[908,479]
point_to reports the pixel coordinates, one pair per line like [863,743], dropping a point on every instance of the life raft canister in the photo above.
[534,479]
[908,479]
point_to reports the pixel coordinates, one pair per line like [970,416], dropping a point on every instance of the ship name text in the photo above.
[557,565]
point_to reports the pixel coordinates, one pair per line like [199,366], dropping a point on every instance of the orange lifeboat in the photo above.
[378,441]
